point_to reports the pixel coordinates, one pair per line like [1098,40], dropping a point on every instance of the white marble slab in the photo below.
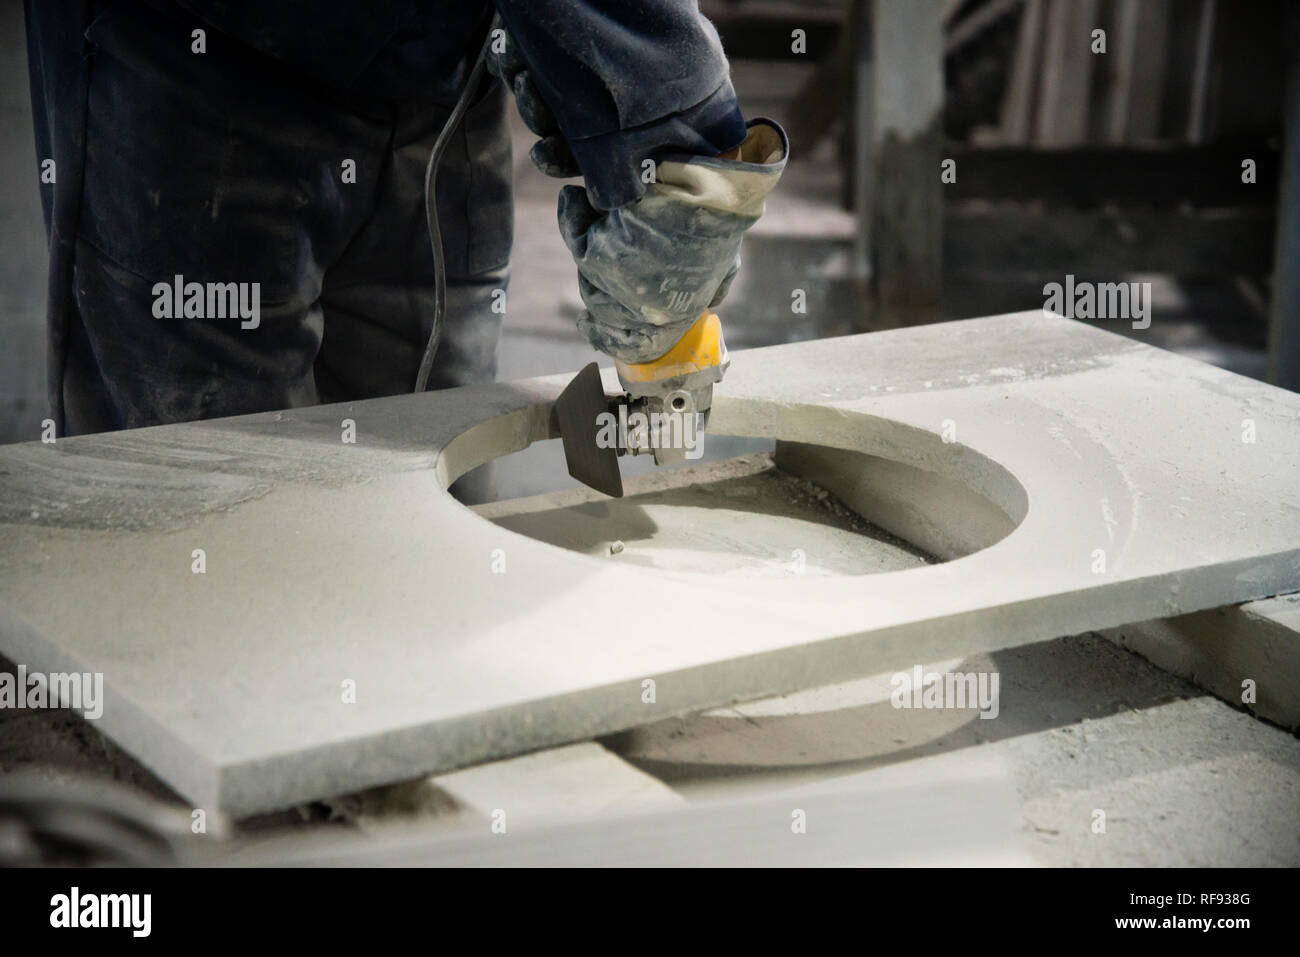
[333,566]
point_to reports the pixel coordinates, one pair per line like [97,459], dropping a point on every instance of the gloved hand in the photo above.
[551,153]
[647,270]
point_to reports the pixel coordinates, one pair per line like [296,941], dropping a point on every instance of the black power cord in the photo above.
[431,206]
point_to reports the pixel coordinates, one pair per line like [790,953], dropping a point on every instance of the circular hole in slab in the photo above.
[770,506]
[740,516]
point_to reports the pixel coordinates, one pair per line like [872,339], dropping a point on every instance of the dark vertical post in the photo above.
[906,194]
[1284,332]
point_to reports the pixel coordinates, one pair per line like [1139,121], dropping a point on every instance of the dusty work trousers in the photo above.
[223,167]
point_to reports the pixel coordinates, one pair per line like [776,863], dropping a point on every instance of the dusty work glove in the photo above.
[647,270]
[551,153]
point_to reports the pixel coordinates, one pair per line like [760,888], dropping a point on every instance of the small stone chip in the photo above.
[616,547]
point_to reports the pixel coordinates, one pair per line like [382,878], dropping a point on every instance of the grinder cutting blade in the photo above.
[579,410]
[664,410]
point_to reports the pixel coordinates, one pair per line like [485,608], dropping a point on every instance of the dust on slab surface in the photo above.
[741,517]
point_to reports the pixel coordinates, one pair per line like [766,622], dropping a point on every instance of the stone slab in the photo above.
[333,567]
[581,781]
[960,812]
[1248,655]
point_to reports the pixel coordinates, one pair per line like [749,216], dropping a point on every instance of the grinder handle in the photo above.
[699,349]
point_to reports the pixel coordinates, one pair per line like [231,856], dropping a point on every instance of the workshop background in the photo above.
[1119,166]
